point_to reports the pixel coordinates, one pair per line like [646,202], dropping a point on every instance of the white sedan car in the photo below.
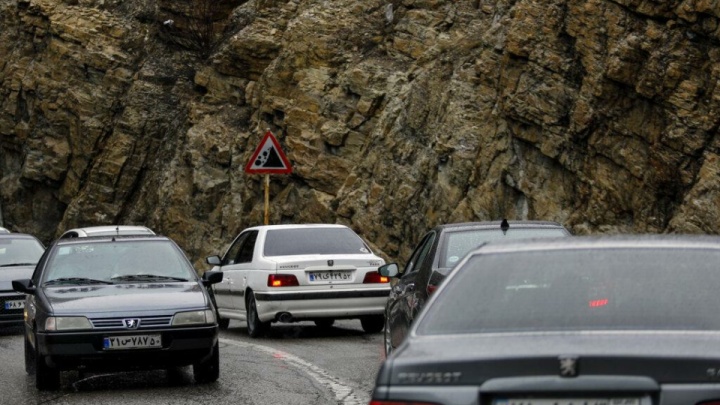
[290,273]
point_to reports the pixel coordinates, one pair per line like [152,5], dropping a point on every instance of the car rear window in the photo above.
[458,243]
[610,289]
[313,241]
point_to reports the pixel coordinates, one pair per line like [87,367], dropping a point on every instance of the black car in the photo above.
[19,253]
[115,304]
[438,251]
[628,320]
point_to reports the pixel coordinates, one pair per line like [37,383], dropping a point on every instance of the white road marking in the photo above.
[344,394]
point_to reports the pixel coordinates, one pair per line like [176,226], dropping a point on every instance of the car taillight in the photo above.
[375,277]
[407,403]
[282,280]
[431,289]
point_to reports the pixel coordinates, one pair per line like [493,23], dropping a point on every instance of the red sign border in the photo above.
[286,162]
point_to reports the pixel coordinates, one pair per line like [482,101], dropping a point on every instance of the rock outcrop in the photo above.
[396,115]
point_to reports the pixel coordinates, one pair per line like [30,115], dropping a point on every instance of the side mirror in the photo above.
[389,270]
[23,286]
[212,277]
[214,260]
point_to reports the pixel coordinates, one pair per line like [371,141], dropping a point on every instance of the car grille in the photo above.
[118,323]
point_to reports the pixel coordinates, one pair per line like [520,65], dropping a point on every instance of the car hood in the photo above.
[8,274]
[145,297]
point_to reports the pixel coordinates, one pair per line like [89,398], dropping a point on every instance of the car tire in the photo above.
[324,323]
[208,371]
[46,378]
[255,327]
[373,323]
[29,357]
[387,338]
[223,323]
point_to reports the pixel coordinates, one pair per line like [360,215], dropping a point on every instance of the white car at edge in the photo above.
[307,272]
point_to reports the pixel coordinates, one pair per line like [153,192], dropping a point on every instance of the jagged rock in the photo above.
[396,115]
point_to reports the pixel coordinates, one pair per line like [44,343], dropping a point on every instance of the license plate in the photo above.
[336,275]
[567,401]
[15,304]
[132,342]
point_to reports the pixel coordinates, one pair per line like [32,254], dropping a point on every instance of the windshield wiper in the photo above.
[17,264]
[146,277]
[76,280]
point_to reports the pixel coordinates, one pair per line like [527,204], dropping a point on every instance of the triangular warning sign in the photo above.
[268,158]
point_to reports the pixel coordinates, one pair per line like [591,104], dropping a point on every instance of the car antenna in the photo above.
[504,226]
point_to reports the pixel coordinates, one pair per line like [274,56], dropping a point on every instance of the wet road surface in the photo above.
[295,364]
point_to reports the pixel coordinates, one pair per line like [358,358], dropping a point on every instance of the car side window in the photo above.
[232,253]
[245,255]
[420,253]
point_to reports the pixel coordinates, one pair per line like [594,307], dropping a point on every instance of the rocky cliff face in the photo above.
[396,115]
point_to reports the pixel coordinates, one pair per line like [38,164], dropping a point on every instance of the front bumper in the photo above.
[315,304]
[10,317]
[84,349]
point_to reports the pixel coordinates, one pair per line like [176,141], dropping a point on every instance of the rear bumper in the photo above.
[84,350]
[321,304]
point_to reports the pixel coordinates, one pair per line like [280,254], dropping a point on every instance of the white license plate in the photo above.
[132,342]
[15,304]
[324,276]
[567,401]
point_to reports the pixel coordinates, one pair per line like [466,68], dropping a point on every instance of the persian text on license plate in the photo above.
[336,275]
[567,401]
[132,342]
[15,304]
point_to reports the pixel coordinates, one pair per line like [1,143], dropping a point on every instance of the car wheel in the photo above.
[46,378]
[387,338]
[372,323]
[254,326]
[29,357]
[223,323]
[208,371]
[324,323]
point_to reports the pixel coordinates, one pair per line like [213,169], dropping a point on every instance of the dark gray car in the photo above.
[19,253]
[438,251]
[614,320]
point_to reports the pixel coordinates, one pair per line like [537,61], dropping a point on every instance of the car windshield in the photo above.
[117,262]
[458,243]
[19,252]
[313,241]
[608,289]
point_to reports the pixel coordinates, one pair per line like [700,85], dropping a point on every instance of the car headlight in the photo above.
[194,318]
[62,323]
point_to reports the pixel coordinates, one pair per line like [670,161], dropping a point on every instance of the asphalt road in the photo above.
[295,364]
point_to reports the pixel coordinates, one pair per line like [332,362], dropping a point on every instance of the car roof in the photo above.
[4,230]
[638,241]
[107,230]
[297,226]
[111,237]
[496,224]
[16,235]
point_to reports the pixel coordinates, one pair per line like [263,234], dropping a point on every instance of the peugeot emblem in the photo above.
[331,263]
[131,323]
[568,366]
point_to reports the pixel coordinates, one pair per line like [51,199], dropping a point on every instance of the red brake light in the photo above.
[431,288]
[598,303]
[375,277]
[282,280]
